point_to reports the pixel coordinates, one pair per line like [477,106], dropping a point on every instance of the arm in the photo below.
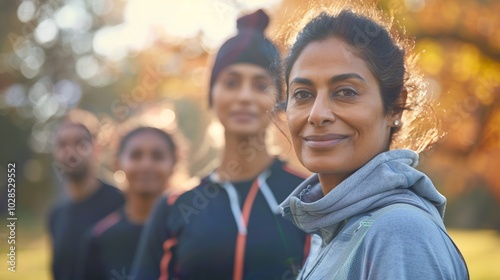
[150,251]
[406,245]
[89,265]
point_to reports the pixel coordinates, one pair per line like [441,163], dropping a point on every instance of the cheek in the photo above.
[163,167]
[219,106]
[295,120]
[264,104]
[370,127]
[129,167]
[219,97]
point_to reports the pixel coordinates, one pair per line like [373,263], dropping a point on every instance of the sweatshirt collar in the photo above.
[388,178]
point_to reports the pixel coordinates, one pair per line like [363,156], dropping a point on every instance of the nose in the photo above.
[321,113]
[246,93]
[147,162]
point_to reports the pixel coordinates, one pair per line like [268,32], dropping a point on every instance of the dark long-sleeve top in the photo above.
[109,248]
[70,220]
[195,235]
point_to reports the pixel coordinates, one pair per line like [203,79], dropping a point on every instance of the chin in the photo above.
[151,192]
[322,165]
[245,131]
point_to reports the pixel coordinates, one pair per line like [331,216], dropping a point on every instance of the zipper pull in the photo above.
[366,223]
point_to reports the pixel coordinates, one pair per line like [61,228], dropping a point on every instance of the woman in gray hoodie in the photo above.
[373,214]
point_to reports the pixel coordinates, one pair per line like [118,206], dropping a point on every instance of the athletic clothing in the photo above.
[385,221]
[196,236]
[68,223]
[110,248]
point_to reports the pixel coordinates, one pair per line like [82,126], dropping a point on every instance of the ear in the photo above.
[397,113]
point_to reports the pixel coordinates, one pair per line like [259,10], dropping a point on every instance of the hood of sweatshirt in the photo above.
[388,178]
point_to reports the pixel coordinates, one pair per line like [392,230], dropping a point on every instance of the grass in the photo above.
[481,249]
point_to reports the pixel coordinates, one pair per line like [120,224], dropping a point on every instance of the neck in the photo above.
[83,189]
[330,181]
[139,206]
[243,158]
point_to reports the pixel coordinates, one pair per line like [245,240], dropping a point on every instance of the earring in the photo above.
[396,123]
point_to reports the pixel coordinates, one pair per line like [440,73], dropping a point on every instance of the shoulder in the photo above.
[405,230]
[169,207]
[284,179]
[106,224]
[110,195]
[204,190]
[110,190]
[290,169]
[287,171]
[58,209]
[407,244]
[407,220]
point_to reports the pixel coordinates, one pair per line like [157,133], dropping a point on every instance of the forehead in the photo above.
[145,140]
[326,58]
[70,131]
[245,70]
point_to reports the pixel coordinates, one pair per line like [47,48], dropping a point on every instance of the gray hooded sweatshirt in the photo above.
[399,242]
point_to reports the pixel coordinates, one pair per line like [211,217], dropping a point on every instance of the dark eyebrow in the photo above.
[347,76]
[234,73]
[261,76]
[302,81]
[254,77]
[334,79]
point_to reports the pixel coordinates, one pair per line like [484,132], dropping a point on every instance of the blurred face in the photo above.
[73,151]
[243,94]
[335,111]
[147,162]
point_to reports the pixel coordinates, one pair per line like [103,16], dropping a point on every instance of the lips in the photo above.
[243,116]
[147,177]
[324,140]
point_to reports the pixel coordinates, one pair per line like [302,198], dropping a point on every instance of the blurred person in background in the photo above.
[349,80]
[89,201]
[147,157]
[228,227]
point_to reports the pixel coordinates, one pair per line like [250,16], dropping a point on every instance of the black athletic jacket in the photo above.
[195,235]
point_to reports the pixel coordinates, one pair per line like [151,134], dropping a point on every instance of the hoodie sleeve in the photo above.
[407,245]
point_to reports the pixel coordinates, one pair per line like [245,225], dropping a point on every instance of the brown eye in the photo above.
[345,93]
[231,83]
[262,86]
[135,155]
[302,95]
[158,155]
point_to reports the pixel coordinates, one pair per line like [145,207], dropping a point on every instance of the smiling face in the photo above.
[147,162]
[335,111]
[242,96]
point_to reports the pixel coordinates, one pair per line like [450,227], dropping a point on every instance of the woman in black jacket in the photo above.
[228,227]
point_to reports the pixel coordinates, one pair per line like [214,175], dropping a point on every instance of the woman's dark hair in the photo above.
[165,136]
[371,38]
[368,40]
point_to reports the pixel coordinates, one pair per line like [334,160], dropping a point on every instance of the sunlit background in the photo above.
[118,64]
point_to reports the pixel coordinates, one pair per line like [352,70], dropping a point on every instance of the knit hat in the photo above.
[248,46]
